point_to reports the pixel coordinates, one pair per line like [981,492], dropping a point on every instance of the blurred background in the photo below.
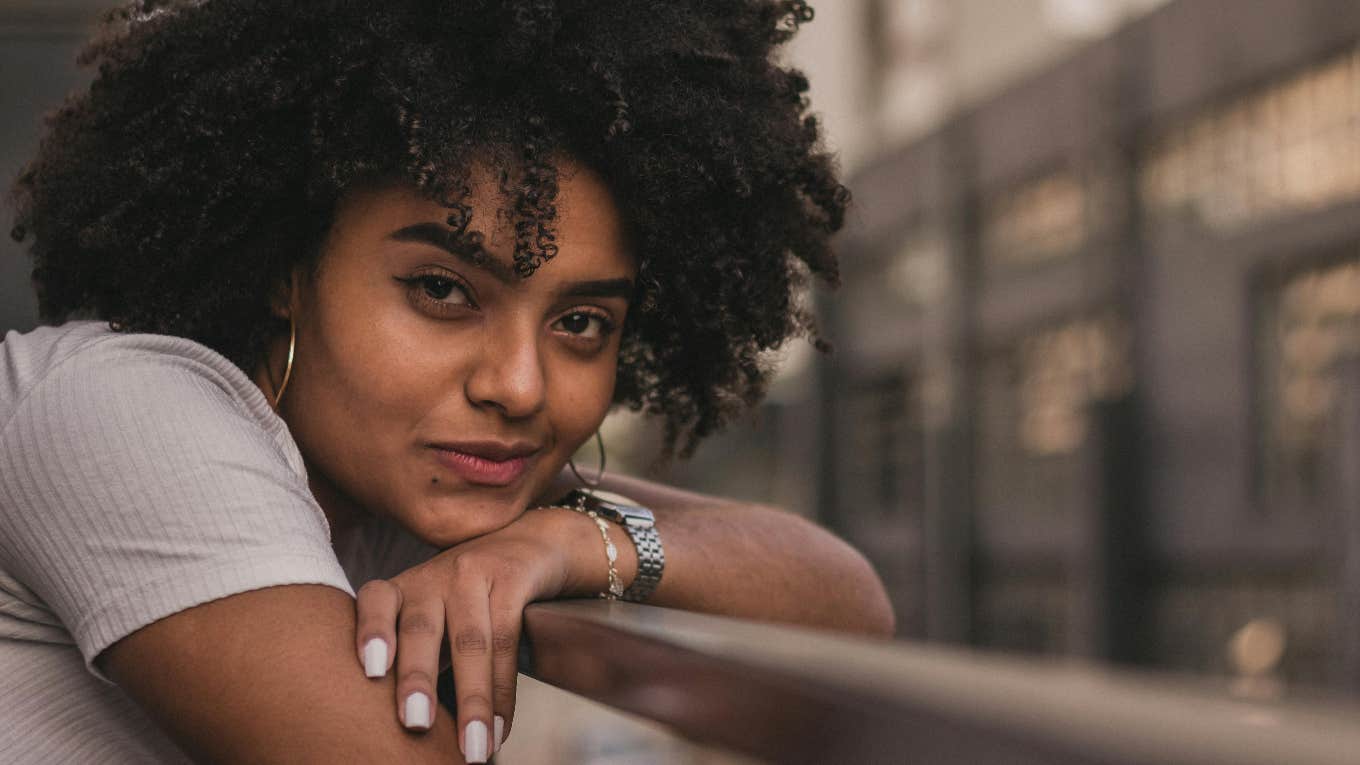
[1096,388]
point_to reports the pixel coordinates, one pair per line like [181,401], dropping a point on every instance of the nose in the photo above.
[508,374]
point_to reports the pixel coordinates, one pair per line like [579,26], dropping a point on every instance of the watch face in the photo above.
[617,507]
[617,499]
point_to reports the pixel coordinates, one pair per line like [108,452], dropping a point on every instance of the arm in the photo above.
[739,559]
[721,557]
[157,518]
[269,676]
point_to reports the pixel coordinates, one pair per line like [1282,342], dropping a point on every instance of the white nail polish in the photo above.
[499,725]
[474,741]
[418,711]
[375,657]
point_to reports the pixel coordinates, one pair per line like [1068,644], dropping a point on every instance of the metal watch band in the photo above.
[640,524]
[651,562]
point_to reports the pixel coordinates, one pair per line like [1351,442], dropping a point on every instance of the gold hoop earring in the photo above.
[599,440]
[288,369]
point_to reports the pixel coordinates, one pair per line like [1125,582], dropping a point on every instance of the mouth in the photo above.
[486,463]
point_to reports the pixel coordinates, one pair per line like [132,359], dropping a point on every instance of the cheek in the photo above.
[580,398]
[382,358]
[368,371]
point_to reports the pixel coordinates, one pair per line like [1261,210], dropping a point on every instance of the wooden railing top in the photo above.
[795,695]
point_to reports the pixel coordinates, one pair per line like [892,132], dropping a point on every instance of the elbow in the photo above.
[874,612]
[877,616]
[870,611]
[885,623]
[861,599]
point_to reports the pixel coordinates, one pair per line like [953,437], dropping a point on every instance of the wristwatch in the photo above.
[640,524]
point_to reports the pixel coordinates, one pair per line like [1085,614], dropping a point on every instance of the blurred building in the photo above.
[1097,381]
[1097,389]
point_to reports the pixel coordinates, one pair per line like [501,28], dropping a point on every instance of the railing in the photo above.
[790,695]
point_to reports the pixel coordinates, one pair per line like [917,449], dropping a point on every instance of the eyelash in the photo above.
[607,326]
[418,290]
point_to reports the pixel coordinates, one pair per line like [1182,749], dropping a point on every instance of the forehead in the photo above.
[588,229]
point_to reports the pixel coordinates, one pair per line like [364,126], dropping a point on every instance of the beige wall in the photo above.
[937,56]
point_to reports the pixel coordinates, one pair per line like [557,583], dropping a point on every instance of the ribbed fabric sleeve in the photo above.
[141,475]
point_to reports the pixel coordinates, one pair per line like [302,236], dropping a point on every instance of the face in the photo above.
[440,391]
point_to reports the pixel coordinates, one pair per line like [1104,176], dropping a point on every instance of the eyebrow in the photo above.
[445,239]
[600,288]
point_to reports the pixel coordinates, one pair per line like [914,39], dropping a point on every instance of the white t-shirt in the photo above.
[140,475]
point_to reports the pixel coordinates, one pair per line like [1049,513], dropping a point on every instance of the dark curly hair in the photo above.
[206,160]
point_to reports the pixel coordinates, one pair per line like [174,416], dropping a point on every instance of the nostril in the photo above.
[509,374]
[512,397]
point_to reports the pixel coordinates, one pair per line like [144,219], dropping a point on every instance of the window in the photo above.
[1292,147]
[1042,220]
[1035,412]
[1309,331]
[885,440]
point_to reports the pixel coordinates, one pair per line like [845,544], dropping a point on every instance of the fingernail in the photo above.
[499,724]
[418,711]
[474,741]
[375,657]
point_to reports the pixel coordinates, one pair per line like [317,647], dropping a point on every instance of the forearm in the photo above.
[737,559]
[269,675]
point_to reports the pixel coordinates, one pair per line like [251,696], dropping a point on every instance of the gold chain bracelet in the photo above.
[615,590]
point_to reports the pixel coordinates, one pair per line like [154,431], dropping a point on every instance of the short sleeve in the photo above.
[139,479]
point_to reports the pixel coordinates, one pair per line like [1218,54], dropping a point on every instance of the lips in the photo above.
[488,463]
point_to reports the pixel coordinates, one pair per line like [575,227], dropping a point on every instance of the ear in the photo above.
[283,299]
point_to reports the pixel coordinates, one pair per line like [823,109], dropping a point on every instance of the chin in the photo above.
[451,520]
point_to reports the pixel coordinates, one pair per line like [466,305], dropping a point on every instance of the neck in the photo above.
[341,512]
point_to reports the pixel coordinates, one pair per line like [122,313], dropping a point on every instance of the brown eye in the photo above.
[438,293]
[585,326]
[576,323]
[444,290]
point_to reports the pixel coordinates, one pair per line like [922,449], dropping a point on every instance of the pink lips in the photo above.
[487,463]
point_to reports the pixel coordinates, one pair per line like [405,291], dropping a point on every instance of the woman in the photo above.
[358,278]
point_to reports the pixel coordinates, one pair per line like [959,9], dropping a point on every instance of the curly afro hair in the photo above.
[206,160]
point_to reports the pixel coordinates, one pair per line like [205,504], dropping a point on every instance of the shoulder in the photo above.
[141,475]
[85,360]
[83,377]
[91,412]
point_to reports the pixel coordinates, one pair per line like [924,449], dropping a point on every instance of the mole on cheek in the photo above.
[434,480]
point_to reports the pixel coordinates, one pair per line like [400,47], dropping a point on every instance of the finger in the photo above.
[469,618]
[507,617]
[420,630]
[377,605]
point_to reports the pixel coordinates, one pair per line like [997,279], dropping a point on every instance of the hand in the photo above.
[477,590]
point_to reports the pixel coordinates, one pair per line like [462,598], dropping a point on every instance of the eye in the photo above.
[583,325]
[437,292]
[443,289]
